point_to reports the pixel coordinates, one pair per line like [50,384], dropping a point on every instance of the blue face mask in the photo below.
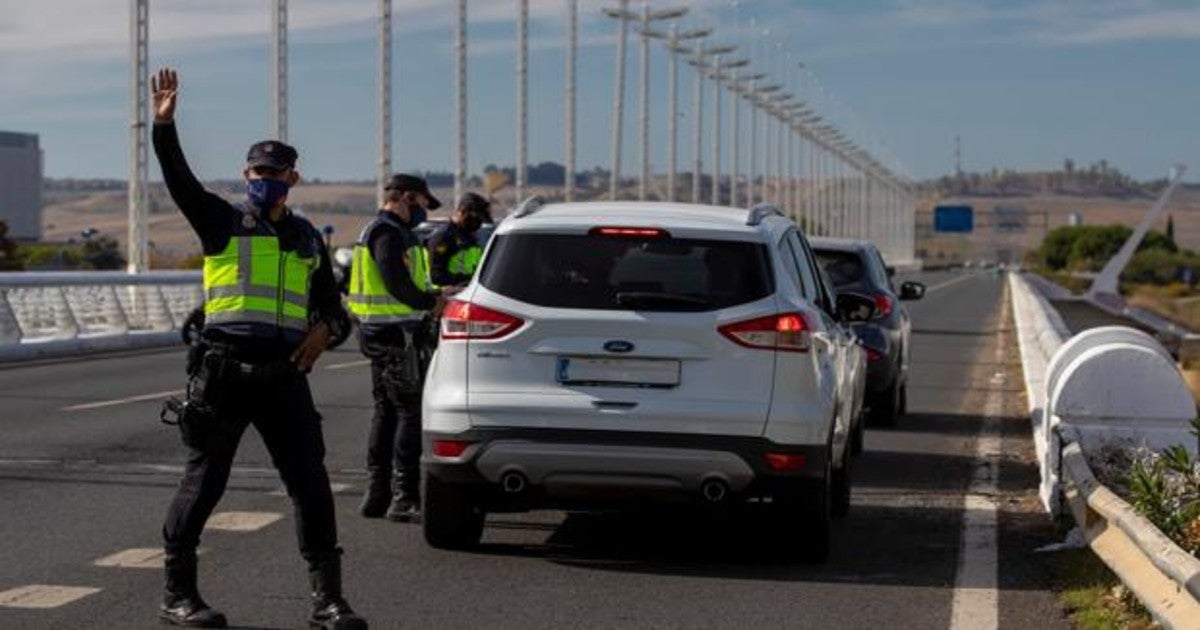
[265,194]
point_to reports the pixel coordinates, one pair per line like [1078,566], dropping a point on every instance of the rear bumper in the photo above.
[521,469]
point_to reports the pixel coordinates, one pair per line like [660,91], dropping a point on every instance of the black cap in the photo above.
[404,182]
[272,154]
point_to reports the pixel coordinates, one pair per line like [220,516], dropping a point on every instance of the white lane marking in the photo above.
[348,364]
[335,488]
[948,283]
[976,602]
[144,558]
[123,401]
[44,596]
[242,521]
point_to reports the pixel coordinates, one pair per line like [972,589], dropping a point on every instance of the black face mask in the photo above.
[471,224]
[416,215]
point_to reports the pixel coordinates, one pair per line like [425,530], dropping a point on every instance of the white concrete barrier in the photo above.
[1103,385]
[45,314]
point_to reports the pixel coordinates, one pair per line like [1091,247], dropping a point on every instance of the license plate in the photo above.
[624,372]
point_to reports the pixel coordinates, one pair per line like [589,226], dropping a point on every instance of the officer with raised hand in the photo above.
[270,309]
[454,249]
[391,295]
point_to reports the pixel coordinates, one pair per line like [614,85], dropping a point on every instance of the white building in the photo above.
[21,184]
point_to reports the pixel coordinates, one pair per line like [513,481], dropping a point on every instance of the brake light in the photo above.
[873,355]
[780,462]
[883,305]
[788,332]
[629,232]
[464,320]
[449,448]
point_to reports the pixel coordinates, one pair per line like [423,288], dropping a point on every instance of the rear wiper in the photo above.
[650,298]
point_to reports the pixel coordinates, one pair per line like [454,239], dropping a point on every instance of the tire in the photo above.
[450,520]
[803,522]
[840,485]
[903,406]
[857,436]
[885,406]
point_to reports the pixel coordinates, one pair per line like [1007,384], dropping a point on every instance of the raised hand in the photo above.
[165,88]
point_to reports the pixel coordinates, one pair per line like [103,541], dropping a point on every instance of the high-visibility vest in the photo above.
[369,299]
[465,260]
[253,282]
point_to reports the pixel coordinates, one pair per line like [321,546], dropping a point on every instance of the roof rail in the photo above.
[529,206]
[762,211]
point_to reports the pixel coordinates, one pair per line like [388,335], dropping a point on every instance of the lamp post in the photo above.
[460,98]
[698,62]
[718,67]
[740,90]
[523,97]
[674,39]
[646,19]
[569,98]
[622,15]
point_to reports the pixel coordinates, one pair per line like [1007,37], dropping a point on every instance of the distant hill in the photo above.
[1096,180]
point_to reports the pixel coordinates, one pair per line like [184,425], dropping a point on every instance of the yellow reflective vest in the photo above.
[369,299]
[253,282]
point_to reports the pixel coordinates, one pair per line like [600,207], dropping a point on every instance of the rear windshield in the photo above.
[621,274]
[843,268]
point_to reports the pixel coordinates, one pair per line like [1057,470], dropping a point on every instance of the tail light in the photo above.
[464,320]
[449,448]
[629,232]
[883,305]
[873,355]
[788,332]
[780,462]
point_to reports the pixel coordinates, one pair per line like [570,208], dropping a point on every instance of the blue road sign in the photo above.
[953,219]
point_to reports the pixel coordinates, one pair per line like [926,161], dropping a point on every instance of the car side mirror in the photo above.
[852,307]
[912,291]
[891,271]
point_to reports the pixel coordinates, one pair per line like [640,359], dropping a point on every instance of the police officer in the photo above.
[271,307]
[454,250]
[392,297]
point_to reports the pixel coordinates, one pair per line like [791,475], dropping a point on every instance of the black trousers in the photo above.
[280,407]
[394,443]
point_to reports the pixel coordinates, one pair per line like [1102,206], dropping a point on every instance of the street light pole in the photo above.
[674,39]
[622,15]
[385,101]
[460,97]
[139,90]
[279,68]
[569,104]
[522,96]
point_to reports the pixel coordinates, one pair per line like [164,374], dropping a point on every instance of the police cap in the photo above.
[403,182]
[272,154]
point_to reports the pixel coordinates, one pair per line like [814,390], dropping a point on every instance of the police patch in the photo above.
[248,221]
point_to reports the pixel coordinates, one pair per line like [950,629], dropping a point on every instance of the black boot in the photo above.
[378,494]
[330,610]
[406,497]
[182,605]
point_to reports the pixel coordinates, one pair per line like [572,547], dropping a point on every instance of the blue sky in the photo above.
[1025,84]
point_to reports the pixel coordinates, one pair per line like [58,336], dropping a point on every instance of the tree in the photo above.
[102,253]
[1171,228]
[9,261]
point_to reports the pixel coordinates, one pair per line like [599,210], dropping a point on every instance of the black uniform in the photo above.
[253,381]
[447,241]
[394,444]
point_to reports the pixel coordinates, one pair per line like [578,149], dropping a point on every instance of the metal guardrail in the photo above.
[61,313]
[1164,577]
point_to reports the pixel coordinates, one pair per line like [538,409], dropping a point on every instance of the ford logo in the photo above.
[618,346]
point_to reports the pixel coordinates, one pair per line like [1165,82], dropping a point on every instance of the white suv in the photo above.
[613,353]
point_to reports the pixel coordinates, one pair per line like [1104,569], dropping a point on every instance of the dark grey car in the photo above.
[856,266]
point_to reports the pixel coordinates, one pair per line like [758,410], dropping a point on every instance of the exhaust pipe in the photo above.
[513,482]
[714,490]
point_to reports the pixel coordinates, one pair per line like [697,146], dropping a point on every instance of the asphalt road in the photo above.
[86,471]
